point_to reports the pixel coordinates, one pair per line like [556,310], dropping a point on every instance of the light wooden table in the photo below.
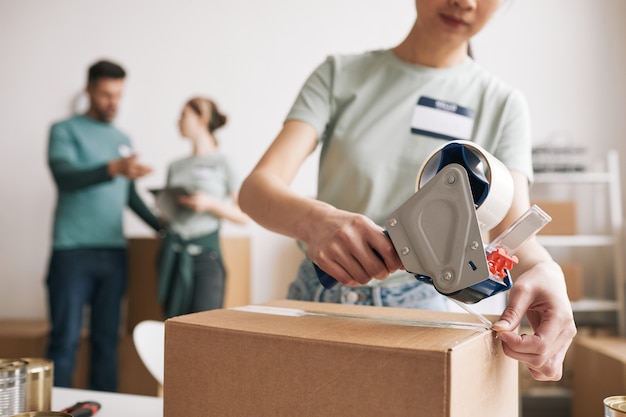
[112,404]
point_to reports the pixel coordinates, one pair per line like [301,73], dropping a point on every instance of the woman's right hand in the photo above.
[343,244]
[350,247]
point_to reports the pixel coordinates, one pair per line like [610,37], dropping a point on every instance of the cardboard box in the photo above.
[134,377]
[316,359]
[141,300]
[141,294]
[20,338]
[236,254]
[574,280]
[599,372]
[564,220]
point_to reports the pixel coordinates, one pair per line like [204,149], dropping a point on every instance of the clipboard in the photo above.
[166,200]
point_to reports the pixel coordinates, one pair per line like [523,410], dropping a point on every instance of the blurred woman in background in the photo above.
[201,190]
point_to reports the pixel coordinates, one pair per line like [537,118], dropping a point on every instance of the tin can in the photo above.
[39,384]
[43,414]
[615,406]
[12,386]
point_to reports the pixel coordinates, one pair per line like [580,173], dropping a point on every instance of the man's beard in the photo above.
[103,115]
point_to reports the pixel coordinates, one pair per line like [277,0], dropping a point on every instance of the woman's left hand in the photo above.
[198,202]
[540,294]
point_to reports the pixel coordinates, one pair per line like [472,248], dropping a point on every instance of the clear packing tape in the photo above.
[484,324]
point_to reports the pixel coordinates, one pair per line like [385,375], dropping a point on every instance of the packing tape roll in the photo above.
[494,207]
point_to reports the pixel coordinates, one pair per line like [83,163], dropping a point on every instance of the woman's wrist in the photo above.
[314,215]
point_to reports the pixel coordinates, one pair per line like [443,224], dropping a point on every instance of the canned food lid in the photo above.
[617,403]
[38,364]
[12,367]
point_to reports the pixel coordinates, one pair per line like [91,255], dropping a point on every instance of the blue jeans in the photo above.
[76,278]
[209,281]
[405,294]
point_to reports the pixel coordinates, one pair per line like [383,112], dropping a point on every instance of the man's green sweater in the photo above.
[90,204]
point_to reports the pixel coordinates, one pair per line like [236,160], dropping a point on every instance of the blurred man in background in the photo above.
[93,166]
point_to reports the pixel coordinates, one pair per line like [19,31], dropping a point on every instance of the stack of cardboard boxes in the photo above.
[29,338]
[595,365]
[564,223]
[599,371]
[291,358]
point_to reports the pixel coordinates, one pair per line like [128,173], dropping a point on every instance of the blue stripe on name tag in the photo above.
[445,106]
[432,134]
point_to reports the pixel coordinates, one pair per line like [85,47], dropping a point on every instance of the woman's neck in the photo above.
[423,50]
[204,144]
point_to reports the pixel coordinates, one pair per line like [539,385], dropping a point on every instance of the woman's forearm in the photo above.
[273,205]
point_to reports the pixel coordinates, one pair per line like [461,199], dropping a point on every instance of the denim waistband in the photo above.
[406,294]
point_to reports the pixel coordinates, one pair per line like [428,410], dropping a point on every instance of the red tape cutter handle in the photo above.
[83,409]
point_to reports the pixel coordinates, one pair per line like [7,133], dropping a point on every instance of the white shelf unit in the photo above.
[614,240]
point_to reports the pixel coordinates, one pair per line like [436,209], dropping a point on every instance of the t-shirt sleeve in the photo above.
[515,145]
[314,102]
[233,178]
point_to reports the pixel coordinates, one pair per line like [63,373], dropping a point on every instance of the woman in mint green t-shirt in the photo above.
[375,117]
[201,191]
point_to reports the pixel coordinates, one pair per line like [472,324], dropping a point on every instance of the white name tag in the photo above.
[125,151]
[204,171]
[442,120]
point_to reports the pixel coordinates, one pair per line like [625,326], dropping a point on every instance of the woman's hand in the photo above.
[350,247]
[541,295]
[201,202]
[198,202]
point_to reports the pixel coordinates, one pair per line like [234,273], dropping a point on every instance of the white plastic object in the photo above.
[525,227]
[149,339]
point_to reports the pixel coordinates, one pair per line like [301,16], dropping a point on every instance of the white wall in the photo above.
[252,57]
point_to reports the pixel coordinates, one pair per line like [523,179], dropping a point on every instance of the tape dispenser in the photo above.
[462,192]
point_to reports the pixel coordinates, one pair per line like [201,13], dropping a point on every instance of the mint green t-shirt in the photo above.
[90,204]
[213,174]
[362,108]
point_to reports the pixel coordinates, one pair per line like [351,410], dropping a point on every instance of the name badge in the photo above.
[125,151]
[442,119]
[204,171]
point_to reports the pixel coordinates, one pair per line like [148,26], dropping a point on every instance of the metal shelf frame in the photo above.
[614,240]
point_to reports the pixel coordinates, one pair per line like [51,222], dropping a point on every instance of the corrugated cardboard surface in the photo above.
[238,363]
[133,376]
[573,273]
[21,338]
[141,294]
[599,372]
[564,217]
